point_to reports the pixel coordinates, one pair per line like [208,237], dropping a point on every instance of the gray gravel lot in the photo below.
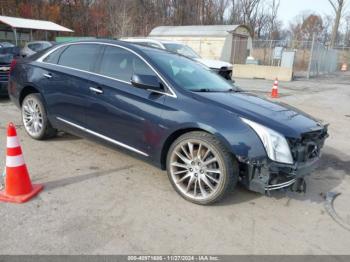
[101,201]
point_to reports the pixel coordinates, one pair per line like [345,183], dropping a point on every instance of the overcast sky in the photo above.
[291,8]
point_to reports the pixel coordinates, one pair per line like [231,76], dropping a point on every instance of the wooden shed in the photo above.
[17,29]
[230,43]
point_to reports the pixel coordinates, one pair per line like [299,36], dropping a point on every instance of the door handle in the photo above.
[96,90]
[48,76]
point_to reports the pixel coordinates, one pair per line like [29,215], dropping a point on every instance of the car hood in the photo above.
[282,118]
[216,64]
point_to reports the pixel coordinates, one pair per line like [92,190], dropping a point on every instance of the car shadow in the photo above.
[239,195]
[330,160]
[52,185]
[4,99]
[62,136]
[327,177]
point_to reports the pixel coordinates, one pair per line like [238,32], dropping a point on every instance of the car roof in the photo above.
[171,42]
[139,40]
[38,42]
[7,44]
[130,45]
[151,40]
[137,48]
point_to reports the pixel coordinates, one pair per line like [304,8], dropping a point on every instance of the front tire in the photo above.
[200,168]
[34,118]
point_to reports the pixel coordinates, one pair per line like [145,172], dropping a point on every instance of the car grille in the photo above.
[308,147]
[4,72]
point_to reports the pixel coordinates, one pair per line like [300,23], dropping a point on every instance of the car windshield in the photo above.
[189,74]
[181,49]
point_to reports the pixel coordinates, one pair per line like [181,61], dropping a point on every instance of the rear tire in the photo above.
[34,118]
[200,168]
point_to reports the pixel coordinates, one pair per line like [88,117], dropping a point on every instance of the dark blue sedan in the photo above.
[169,110]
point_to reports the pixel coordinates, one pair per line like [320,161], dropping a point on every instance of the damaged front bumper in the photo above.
[268,176]
[265,175]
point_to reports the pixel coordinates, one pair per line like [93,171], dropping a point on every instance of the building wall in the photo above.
[206,47]
[262,72]
[9,36]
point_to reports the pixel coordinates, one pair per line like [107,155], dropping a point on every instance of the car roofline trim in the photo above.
[102,136]
[136,40]
[40,60]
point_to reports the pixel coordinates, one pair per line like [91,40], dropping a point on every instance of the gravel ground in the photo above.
[102,201]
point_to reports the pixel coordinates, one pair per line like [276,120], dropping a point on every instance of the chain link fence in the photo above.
[307,58]
[322,60]
[343,54]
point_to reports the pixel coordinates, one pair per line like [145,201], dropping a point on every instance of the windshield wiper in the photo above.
[236,90]
[212,90]
[201,90]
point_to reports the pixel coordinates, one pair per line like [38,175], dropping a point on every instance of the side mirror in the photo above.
[148,82]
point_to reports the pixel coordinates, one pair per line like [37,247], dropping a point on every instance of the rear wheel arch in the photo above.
[34,116]
[26,91]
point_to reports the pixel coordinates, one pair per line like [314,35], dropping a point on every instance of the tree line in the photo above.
[122,18]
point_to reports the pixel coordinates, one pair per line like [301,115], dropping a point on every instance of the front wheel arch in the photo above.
[221,171]
[176,134]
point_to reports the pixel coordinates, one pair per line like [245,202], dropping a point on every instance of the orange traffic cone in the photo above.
[274,91]
[344,67]
[18,187]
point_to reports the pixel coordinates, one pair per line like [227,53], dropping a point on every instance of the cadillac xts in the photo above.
[169,110]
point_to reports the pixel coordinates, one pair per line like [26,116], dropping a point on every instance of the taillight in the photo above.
[12,66]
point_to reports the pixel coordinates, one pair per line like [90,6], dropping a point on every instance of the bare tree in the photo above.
[119,19]
[115,18]
[305,26]
[250,13]
[236,15]
[327,29]
[261,23]
[220,6]
[337,6]
[312,25]
[272,18]
[347,30]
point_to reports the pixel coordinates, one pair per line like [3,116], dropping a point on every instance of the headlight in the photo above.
[276,145]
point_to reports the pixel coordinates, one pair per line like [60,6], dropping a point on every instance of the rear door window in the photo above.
[53,57]
[80,56]
[121,64]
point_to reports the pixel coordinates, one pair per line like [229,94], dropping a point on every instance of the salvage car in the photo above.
[8,52]
[32,48]
[168,110]
[220,67]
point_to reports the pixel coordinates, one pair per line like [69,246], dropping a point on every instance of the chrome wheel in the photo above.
[32,117]
[196,169]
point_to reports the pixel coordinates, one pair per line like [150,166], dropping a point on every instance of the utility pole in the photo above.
[311,56]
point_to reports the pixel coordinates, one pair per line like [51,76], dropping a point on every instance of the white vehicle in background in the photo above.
[32,48]
[222,68]
[6,44]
